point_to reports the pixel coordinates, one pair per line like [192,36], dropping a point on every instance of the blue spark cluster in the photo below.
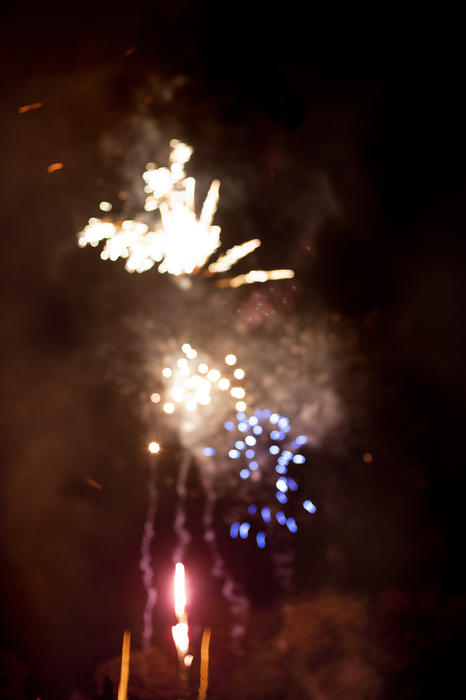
[261,446]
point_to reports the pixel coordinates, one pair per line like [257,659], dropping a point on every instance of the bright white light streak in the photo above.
[225,262]
[255,276]
[179,591]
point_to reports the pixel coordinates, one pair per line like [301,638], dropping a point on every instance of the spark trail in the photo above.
[145,563]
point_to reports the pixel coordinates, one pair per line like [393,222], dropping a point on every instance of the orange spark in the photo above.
[54,166]
[93,483]
[28,108]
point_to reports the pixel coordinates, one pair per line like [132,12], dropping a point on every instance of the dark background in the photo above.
[375,103]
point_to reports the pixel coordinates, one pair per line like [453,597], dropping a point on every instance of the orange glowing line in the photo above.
[124,672]
[204,676]
[28,108]
[54,166]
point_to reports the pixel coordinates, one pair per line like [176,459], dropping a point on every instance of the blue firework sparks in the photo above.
[269,464]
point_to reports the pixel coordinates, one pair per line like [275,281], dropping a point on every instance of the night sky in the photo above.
[340,142]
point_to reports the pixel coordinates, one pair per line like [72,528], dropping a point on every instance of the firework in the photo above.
[191,383]
[194,392]
[268,463]
[180,241]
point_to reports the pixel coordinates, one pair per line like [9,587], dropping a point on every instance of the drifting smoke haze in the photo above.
[345,180]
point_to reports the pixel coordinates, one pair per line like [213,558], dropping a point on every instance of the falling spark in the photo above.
[28,108]
[93,483]
[54,166]
[204,673]
[124,673]
[179,241]
[255,276]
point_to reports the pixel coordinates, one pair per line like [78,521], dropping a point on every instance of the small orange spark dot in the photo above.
[100,182]
[367,457]
[28,108]
[54,166]
[122,194]
[148,100]
[118,152]
[93,483]
[135,119]
[126,206]
[129,52]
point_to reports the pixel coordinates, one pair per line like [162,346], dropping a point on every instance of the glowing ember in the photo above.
[29,108]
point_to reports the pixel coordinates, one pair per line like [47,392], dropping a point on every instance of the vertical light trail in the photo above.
[145,563]
[204,673]
[124,672]
[183,536]
[238,603]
